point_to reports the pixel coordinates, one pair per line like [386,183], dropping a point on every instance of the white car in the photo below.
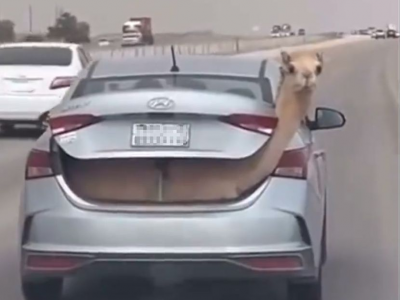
[104,42]
[379,34]
[33,79]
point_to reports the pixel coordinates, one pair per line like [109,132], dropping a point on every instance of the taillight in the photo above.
[61,82]
[38,165]
[293,163]
[284,263]
[65,124]
[256,123]
[55,262]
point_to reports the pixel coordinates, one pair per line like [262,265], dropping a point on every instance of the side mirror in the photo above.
[327,118]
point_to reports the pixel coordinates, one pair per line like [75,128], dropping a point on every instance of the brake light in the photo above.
[69,123]
[61,82]
[38,165]
[256,123]
[293,163]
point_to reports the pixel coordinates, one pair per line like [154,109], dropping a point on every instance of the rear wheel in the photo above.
[49,289]
[6,128]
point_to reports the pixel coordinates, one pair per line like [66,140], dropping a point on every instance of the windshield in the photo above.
[131,28]
[251,88]
[34,56]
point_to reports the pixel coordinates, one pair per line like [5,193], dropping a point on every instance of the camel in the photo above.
[209,180]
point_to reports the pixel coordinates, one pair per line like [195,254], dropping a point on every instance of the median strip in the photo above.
[234,46]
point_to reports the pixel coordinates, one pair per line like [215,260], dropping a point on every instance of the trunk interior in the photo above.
[154,181]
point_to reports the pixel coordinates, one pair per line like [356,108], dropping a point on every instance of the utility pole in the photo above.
[30,19]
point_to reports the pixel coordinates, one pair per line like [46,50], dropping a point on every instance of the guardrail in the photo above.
[223,47]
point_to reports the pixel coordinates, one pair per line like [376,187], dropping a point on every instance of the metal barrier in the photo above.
[225,47]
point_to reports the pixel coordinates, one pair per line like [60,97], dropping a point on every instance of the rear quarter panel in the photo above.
[311,206]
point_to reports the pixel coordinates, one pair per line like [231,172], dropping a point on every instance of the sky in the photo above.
[222,16]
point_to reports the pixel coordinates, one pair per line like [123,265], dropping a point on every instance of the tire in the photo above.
[49,289]
[305,291]
[6,128]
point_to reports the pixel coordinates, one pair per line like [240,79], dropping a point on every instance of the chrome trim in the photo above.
[161,103]
[239,205]
[235,251]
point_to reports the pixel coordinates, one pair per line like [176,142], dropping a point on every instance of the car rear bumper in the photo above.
[193,244]
[294,266]
[26,109]
[20,118]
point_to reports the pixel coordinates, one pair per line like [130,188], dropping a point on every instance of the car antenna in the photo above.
[174,68]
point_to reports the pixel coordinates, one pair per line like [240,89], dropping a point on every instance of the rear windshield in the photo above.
[35,56]
[252,88]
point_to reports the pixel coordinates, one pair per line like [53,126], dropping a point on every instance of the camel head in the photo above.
[301,70]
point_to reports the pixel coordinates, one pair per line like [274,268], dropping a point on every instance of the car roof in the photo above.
[40,44]
[188,64]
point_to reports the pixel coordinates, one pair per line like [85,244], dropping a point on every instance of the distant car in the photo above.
[379,34]
[301,31]
[215,110]
[276,34]
[104,42]
[392,33]
[34,77]
[276,31]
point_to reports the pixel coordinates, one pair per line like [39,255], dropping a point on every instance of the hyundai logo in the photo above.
[161,103]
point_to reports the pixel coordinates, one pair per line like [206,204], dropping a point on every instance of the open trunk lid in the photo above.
[129,148]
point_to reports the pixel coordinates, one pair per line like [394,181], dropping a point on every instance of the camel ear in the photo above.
[320,57]
[286,58]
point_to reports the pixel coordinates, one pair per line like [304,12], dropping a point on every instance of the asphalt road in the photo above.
[362,81]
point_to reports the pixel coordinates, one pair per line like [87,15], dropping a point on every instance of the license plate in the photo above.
[160,135]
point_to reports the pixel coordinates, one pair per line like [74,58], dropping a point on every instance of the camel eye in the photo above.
[318,70]
[291,69]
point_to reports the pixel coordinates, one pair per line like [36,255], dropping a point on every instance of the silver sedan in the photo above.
[99,193]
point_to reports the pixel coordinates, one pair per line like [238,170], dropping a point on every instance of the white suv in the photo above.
[34,77]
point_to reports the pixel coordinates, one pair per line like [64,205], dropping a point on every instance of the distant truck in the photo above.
[137,31]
